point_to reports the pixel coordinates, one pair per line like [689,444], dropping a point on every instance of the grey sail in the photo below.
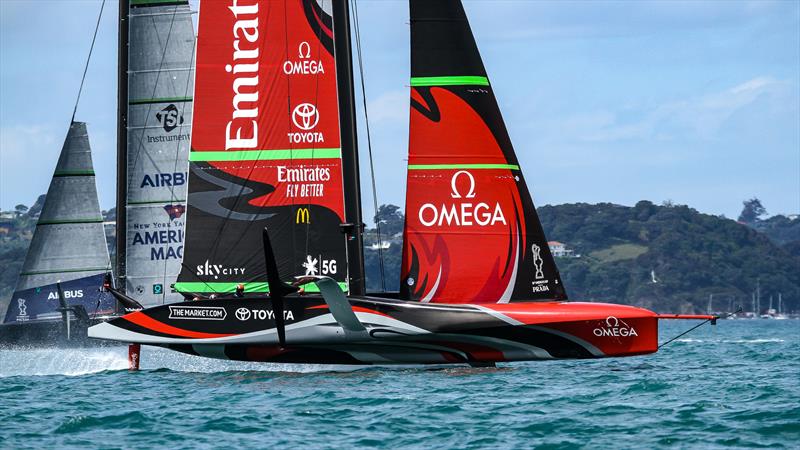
[160,88]
[69,242]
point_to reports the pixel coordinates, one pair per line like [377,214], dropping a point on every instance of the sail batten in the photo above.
[471,232]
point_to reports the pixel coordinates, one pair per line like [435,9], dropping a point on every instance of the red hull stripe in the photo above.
[356,309]
[143,320]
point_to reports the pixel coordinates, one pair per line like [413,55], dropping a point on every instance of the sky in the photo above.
[694,102]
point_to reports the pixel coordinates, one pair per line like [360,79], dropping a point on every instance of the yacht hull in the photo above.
[394,332]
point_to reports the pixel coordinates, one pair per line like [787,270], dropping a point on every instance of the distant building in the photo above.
[559,249]
[383,245]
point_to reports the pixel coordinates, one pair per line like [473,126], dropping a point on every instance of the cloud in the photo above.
[699,117]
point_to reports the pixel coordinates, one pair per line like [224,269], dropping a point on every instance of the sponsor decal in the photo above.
[169,118]
[303,215]
[538,263]
[77,293]
[158,289]
[613,327]
[304,181]
[175,211]
[163,179]
[165,244]
[245,314]
[177,137]
[215,270]
[23,310]
[541,284]
[321,266]
[304,64]
[461,213]
[197,312]
[305,116]
[242,130]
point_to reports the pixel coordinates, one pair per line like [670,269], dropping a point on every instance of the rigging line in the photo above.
[369,145]
[88,58]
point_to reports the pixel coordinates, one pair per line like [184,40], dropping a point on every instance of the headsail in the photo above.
[472,234]
[159,114]
[69,243]
[265,147]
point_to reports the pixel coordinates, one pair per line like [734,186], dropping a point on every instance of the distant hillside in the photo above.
[620,249]
[690,254]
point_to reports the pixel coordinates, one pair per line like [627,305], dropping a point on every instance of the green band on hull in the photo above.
[449,81]
[74,173]
[145,101]
[62,222]
[44,272]
[461,166]
[230,288]
[265,155]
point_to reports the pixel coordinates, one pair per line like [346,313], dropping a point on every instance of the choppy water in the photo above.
[736,385]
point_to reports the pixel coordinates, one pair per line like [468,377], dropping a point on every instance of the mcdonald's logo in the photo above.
[303,216]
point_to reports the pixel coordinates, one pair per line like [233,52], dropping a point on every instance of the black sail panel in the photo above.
[472,234]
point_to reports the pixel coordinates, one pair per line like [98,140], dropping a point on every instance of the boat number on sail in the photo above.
[197,312]
[614,327]
[304,65]
[245,314]
[305,116]
[461,213]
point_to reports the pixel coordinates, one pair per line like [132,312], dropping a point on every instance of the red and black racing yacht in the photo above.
[274,248]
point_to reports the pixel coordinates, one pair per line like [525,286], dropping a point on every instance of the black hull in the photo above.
[50,333]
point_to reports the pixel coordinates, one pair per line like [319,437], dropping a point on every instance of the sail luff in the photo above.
[122,142]
[350,171]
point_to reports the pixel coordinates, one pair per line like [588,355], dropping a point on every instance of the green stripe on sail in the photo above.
[229,288]
[68,221]
[43,272]
[144,101]
[74,173]
[265,155]
[449,81]
[461,166]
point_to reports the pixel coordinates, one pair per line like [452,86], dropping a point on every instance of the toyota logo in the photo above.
[305,116]
[243,314]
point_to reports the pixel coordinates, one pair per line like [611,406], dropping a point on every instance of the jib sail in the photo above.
[69,243]
[472,234]
[160,88]
[265,147]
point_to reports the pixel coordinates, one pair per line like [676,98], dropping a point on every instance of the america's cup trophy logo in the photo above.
[537,261]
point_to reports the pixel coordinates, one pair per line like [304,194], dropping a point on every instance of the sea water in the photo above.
[733,385]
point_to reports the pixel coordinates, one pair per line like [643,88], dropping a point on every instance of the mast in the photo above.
[122,141]
[349,141]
